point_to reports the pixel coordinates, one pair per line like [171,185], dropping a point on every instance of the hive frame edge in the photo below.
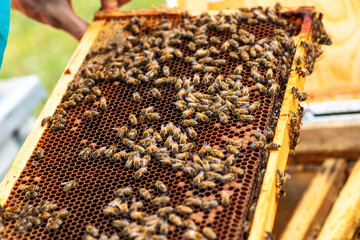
[53,101]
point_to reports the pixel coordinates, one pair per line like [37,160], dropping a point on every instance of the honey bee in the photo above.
[93,231]
[245,56]
[224,119]
[156,93]
[45,120]
[140,173]
[145,194]
[91,114]
[85,153]
[207,78]
[53,224]
[274,89]
[178,53]
[229,161]
[148,132]
[192,46]
[192,133]
[164,229]
[224,47]
[120,224]
[174,148]
[199,178]
[127,142]
[214,40]
[157,137]
[113,236]
[257,145]
[196,79]
[189,123]
[123,209]
[96,91]
[246,118]
[201,53]
[233,56]
[110,152]
[228,178]
[133,120]
[61,213]
[183,210]
[269,74]
[213,51]
[233,43]
[165,211]
[39,153]
[238,171]
[188,112]
[161,186]
[280,182]
[136,97]
[97,153]
[192,233]
[207,185]
[202,117]
[261,88]
[198,67]
[207,231]
[253,107]
[122,131]
[175,219]
[232,149]
[90,98]
[47,206]
[44,216]
[70,186]
[103,104]
[123,192]
[206,205]
[272,146]
[183,138]
[161,201]
[132,134]
[206,60]
[189,170]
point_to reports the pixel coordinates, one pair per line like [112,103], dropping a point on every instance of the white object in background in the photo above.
[171,3]
[8,152]
[18,97]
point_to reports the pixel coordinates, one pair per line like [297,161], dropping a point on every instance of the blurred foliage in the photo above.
[35,48]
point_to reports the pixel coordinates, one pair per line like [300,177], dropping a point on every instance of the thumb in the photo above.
[109,4]
[63,17]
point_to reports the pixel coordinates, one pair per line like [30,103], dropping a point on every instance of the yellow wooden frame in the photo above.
[54,100]
[267,203]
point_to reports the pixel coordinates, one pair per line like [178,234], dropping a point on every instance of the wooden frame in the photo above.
[316,202]
[344,217]
[34,136]
[267,203]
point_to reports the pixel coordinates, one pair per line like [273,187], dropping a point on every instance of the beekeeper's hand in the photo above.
[59,13]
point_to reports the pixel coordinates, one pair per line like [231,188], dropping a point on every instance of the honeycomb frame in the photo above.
[263,219]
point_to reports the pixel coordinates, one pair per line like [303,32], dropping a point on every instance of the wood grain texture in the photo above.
[316,202]
[48,110]
[344,217]
[323,140]
[338,69]
[267,204]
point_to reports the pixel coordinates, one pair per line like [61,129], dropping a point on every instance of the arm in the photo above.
[59,13]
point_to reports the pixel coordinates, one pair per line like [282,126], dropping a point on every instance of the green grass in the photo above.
[35,48]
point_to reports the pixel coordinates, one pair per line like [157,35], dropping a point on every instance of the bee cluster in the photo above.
[31,216]
[212,73]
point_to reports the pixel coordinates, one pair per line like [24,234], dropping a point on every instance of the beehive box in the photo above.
[63,142]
